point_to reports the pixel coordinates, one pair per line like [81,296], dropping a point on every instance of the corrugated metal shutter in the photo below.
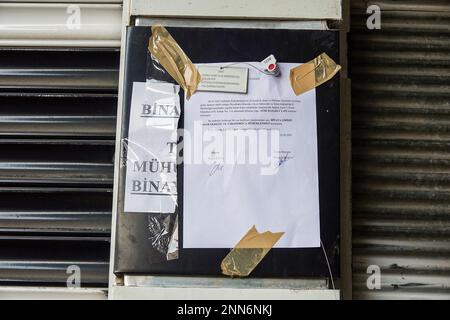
[401,156]
[57,132]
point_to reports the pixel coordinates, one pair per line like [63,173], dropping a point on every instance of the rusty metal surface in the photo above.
[401,149]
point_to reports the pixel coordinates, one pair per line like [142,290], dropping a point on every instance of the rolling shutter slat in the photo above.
[27,222]
[65,114]
[50,24]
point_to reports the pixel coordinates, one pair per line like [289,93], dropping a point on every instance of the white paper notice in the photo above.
[151,178]
[222,200]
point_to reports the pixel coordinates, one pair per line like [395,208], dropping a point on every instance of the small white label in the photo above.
[267,62]
[223,79]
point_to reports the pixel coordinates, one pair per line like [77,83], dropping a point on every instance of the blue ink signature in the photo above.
[216,167]
[283,158]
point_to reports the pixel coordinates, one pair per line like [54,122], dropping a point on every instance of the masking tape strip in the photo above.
[169,54]
[249,252]
[313,73]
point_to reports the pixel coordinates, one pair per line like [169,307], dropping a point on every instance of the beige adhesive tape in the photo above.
[313,73]
[169,54]
[249,252]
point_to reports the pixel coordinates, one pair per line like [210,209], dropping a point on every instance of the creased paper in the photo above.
[249,252]
[172,251]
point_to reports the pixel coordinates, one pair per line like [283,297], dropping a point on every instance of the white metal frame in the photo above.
[238,9]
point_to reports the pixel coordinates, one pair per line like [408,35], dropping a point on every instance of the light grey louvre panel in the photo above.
[401,149]
[57,132]
[57,23]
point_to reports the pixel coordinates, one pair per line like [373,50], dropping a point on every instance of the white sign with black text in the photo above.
[151,148]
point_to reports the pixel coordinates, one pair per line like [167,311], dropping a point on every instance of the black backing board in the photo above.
[134,253]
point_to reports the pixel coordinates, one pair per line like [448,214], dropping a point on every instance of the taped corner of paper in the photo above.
[249,252]
[170,55]
[313,73]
